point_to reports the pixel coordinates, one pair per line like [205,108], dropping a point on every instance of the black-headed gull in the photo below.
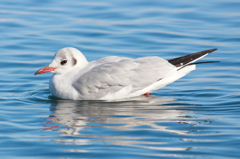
[113,77]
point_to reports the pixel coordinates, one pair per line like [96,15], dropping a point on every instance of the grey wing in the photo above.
[111,77]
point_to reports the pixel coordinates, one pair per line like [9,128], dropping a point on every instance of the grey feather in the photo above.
[110,74]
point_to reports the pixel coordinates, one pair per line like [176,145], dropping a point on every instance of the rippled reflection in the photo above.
[120,123]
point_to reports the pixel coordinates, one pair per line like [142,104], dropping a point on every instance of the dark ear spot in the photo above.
[74,61]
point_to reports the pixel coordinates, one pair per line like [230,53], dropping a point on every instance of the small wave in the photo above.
[38,95]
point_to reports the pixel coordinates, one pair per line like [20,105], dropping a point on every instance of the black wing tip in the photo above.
[204,62]
[206,51]
[187,59]
[211,50]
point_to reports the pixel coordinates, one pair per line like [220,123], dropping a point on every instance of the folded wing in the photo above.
[126,74]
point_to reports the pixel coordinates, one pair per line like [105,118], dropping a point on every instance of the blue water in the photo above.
[195,117]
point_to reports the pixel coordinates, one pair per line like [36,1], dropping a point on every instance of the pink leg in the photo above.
[146,94]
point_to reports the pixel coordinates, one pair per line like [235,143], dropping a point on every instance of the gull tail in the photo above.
[183,61]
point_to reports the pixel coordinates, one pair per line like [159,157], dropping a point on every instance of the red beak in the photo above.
[44,70]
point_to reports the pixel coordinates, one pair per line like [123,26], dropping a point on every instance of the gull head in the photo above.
[65,60]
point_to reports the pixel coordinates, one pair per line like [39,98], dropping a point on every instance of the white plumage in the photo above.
[110,78]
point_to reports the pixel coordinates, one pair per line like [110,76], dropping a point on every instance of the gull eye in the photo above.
[63,62]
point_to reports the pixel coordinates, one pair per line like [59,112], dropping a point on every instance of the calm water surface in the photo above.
[195,117]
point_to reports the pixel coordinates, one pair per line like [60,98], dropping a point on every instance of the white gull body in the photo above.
[110,78]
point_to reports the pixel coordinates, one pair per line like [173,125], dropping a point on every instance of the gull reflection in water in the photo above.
[120,123]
